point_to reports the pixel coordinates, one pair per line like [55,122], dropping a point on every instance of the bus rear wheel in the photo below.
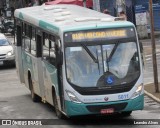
[57,111]
[34,97]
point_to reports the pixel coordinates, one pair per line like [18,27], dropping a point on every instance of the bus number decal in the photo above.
[123,96]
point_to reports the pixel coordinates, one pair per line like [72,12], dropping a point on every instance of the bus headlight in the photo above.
[72,97]
[138,91]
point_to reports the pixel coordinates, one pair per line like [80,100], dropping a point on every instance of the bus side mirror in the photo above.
[141,51]
[141,47]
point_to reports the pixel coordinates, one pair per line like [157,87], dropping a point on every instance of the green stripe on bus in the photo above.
[48,26]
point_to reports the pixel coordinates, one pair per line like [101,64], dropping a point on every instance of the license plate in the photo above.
[107,111]
[1,62]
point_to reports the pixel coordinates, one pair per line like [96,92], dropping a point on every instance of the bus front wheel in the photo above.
[34,97]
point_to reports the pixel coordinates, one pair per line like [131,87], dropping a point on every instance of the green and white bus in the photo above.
[79,60]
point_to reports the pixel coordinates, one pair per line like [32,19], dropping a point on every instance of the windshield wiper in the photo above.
[98,61]
[108,58]
[90,53]
[113,51]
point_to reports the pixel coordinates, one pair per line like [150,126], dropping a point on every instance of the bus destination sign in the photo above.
[96,35]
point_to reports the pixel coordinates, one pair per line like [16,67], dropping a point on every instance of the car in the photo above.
[7,51]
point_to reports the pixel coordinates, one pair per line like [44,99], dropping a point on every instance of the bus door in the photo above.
[50,70]
[18,52]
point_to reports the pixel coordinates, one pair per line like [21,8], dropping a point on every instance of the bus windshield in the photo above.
[103,65]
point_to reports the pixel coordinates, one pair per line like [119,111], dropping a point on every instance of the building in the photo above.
[137,12]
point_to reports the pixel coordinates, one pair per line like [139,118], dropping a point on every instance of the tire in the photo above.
[126,114]
[34,96]
[59,114]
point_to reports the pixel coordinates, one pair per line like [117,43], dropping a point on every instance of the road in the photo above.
[16,103]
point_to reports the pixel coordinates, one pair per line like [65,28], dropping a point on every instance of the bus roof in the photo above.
[56,18]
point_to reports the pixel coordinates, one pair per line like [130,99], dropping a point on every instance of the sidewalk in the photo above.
[156,34]
[150,91]
[150,88]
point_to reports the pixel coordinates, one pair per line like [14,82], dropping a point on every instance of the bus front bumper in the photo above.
[74,109]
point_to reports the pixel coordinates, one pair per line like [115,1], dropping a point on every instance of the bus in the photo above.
[81,61]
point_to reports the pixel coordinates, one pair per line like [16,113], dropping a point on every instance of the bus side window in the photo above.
[27,44]
[26,37]
[52,53]
[46,48]
[49,48]
[33,42]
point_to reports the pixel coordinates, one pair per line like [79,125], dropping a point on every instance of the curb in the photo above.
[152,96]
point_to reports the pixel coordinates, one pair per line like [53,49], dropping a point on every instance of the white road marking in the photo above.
[151,55]
[148,59]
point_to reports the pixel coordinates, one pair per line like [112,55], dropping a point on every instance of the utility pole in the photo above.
[153,48]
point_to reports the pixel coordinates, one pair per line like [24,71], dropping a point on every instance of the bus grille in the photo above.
[98,108]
